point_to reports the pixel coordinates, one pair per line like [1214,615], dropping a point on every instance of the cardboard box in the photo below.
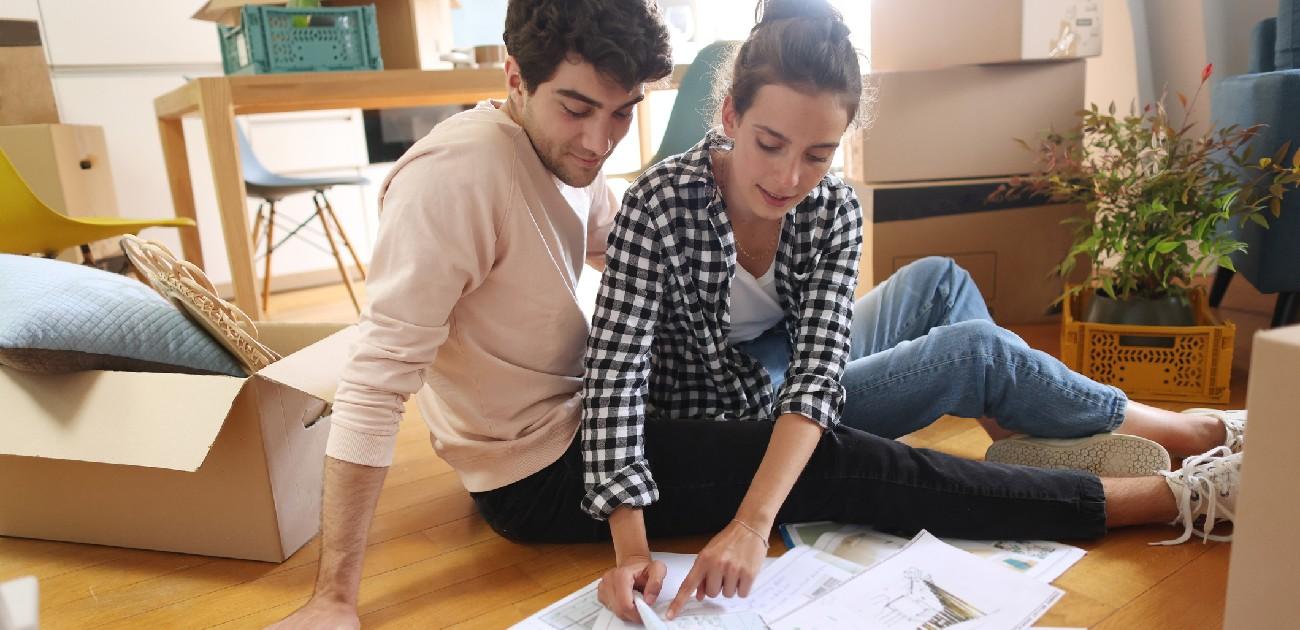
[961,123]
[1009,249]
[209,465]
[26,91]
[67,167]
[930,34]
[413,34]
[1265,564]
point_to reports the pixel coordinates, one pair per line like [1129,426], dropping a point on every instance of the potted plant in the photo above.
[1154,194]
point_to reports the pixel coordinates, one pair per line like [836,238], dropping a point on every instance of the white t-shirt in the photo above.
[754,305]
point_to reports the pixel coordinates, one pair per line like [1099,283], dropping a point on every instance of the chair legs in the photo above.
[1222,278]
[321,211]
[257,225]
[270,247]
[1285,311]
[325,214]
[343,234]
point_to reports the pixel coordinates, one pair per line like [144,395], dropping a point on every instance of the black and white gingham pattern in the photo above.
[658,346]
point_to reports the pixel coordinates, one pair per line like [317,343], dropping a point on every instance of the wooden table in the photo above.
[217,100]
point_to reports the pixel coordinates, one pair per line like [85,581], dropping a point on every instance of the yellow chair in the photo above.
[28,226]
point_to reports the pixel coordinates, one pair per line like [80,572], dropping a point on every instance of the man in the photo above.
[485,226]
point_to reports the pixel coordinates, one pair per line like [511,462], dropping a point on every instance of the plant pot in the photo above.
[1165,311]
[1188,364]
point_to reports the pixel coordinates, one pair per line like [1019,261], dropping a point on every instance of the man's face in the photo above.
[574,120]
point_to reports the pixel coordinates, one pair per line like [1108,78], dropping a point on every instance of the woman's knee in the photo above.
[980,335]
[931,270]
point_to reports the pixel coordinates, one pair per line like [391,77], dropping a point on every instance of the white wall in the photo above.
[1182,36]
[1112,75]
[19,10]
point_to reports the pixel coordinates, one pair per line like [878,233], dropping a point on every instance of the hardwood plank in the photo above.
[1191,598]
[508,615]
[455,603]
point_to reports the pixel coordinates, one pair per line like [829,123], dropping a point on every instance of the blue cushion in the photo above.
[1286,51]
[1272,260]
[62,317]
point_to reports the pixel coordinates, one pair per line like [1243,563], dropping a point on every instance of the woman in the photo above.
[728,296]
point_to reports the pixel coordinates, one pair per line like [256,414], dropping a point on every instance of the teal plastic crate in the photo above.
[278,39]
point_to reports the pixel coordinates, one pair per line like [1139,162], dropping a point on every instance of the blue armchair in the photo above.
[1269,93]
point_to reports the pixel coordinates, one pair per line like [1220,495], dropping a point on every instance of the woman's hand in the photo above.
[728,566]
[636,573]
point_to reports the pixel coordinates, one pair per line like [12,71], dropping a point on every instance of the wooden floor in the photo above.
[432,562]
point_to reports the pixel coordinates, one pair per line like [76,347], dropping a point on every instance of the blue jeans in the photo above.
[923,345]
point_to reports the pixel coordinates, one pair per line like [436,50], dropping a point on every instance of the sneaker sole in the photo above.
[1105,455]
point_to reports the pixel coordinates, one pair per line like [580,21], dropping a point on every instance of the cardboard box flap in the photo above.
[165,421]
[314,369]
[226,11]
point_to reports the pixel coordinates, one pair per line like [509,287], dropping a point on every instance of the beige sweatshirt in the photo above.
[472,303]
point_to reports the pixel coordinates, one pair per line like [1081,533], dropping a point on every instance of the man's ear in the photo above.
[514,80]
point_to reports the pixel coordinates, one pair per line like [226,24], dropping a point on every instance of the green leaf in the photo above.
[1226,263]
[1109,287]
[1255,216]
[1167,246]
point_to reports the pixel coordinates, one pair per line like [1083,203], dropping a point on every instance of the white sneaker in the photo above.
[1234,424]
[1206,486]
[1104,454]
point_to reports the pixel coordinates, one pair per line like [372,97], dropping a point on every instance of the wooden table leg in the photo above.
[177,162]
[218,116]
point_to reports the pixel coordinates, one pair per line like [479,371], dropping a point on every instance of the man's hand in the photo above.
[636,573]
[321,613]
[728,566]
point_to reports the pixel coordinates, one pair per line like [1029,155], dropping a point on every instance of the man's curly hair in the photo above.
[625,40]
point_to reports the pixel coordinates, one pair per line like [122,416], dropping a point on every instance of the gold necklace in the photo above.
[719,174]
[769,248]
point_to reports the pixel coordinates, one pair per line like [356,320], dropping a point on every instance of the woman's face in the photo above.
[783,148]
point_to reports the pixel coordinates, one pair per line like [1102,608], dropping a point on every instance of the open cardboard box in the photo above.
[210,465]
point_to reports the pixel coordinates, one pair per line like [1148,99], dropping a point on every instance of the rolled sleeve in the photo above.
[821,332]
[617,366]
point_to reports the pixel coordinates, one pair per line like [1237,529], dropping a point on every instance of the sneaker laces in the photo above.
[1206,486]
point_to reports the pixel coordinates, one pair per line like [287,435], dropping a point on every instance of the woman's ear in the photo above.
[730,119]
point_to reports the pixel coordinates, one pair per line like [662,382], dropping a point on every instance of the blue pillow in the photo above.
[60,317]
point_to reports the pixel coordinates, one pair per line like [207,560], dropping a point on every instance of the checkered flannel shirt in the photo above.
[658,346]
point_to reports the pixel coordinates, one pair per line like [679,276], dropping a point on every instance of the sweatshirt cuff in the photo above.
[357,447]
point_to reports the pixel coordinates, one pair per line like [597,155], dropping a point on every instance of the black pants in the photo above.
[704,468]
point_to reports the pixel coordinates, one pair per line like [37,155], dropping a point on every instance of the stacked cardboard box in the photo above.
[953,95]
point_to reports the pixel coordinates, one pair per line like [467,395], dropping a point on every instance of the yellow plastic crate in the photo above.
[1166,363]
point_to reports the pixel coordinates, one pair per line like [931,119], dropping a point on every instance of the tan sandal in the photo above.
[187,287]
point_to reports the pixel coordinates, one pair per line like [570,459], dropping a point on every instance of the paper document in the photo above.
[1042,560]
[927,584]
[784,584]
